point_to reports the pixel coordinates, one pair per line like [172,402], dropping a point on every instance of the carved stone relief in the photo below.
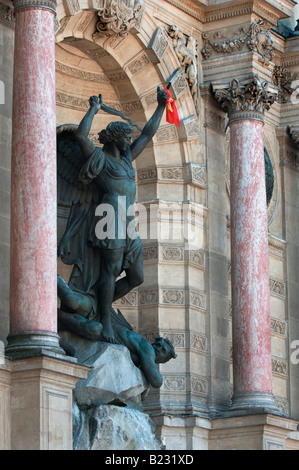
[257,39]
[7,15]
[158,45]
[283,79]
[118,17]
[186,52]
[246,99]
[294,133]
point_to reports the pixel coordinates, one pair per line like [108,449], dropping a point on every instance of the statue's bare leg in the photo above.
[133,278]
[74,301]
[111,267]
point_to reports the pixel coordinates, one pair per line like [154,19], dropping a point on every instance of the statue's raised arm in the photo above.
[151,126]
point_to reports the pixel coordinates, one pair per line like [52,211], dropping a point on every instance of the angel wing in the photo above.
[119,320]
[70,160]
[71,191]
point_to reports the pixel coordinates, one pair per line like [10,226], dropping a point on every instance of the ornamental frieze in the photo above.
[198,342]
[197,257]
[128,300]
[199,385]
[277,288]
[172,253]
[257,39]
[174,383]
[278,327]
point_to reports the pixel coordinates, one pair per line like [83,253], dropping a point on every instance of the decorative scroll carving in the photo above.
[172,173]
[148,174]
[246,100]
[158,45]
[257,39]
[277,288]
[90,76]
[177,339]
[166,133]
[176,297]
[137,64]
[175,383]
[198,300]
[199,385]
[128,300]
[148,297]
[198,174]
[118,17]
[198,342]
[280,367]
[186,51]
[150,253]
[197,257]
[283,79]
[173,253]
[278,327]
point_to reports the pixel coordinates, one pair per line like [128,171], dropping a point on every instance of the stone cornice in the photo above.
[245,100]
[230,9]
[47,4]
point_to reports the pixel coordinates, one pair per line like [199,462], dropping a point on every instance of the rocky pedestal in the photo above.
[107,408]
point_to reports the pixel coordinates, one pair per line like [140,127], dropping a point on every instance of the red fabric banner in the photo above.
[172,115]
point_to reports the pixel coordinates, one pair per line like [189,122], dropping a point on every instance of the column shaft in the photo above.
[33,299]
[246,103]
[249,253]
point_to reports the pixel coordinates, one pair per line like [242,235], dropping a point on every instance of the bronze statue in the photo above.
[92,179]
[143,354]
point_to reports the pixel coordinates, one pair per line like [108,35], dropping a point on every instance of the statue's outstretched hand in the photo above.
[162,96]
[96,102]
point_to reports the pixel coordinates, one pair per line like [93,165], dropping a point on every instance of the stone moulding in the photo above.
[247,99]
[47,4]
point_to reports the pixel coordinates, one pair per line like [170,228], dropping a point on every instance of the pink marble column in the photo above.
[252,362]
[33,281]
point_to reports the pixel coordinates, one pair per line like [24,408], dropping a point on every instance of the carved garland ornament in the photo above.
[257,39]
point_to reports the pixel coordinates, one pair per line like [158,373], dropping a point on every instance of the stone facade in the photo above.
[184,195]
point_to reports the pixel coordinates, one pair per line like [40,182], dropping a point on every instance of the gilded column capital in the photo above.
[47,4]
[248,99]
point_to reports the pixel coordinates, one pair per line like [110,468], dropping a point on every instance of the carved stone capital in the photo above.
[247,99]
[47,4]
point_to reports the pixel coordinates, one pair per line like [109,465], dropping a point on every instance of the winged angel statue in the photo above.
[99,183]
